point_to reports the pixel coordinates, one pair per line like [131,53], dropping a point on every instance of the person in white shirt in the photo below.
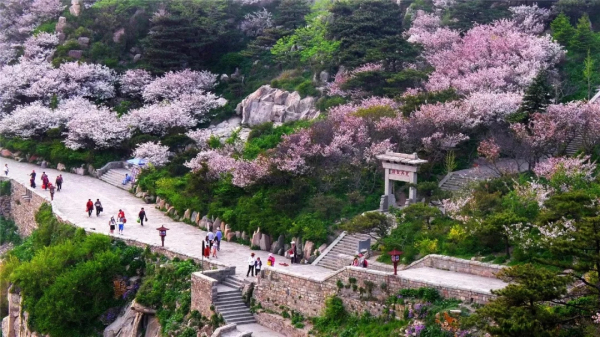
[251,263]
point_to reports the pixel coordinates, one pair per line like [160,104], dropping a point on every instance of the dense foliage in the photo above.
[66,276]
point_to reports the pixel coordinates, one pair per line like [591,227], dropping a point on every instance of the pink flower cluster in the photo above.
[496,56]
[489,150]
[577,167]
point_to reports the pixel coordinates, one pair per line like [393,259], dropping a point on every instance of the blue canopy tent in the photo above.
[137,161]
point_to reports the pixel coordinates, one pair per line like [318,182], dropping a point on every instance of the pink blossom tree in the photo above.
[497,56]
[159,118]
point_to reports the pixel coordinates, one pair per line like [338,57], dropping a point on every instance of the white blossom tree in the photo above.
[172,85]
[134,81]
[155,153]
[97,128]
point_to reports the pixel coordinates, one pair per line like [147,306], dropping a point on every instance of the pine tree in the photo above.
[584,39]
[521,308]
[166,45]
[562,31]
[291,14]
[537,97]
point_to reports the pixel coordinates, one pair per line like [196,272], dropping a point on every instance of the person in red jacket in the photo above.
[89,207]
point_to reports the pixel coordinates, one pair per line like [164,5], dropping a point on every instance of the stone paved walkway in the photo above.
[181,238]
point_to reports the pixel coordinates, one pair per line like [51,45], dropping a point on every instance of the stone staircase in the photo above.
[348,245]
[455,182]
[575,145]
[230,304]
[115,177]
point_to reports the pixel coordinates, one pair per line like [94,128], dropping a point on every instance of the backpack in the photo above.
[365,263]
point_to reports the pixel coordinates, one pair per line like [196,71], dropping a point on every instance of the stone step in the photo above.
[226,298]
[231,304]
[229,314]
[243,321]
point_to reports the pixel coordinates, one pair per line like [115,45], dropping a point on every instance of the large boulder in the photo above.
[75,8]
[6,153]
[309,247]
[187,214]
[265,242]
[61,24]
[269,104]
[255,241]
[194,217]
[76,54]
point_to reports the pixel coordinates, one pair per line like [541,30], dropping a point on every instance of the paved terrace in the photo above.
[183,238]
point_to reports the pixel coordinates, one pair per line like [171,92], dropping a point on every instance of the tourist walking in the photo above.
[251,262]
[293,253]
[32,180]
[45,180]
[127,179]
[112,224]
[59,181]
[257,266]
[142,216]
[121,214]
[6,169]
[271,260]
[52,189]
[121,223]
[99,207]
[214,249]
[219,237]
[210,238]
[89,207]
[206,251]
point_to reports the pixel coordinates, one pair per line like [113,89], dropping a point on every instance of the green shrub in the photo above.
[5,188]
[306,88]
[9,232]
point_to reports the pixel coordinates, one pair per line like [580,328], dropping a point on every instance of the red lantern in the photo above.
[395,259]
[162,232]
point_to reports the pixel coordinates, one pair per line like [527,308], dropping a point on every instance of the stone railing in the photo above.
[277,287]
[224,330]
[346,260]
[457,265]
[109,166]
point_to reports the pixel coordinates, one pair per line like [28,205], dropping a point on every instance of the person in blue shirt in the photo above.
[219,236]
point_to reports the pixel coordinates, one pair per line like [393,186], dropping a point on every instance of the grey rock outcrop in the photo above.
[83,42]
[76,54]
[269,104]
[75,8]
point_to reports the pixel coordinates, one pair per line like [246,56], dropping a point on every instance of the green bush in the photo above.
[5,188]
[9,232]
[66,276]
[307,88]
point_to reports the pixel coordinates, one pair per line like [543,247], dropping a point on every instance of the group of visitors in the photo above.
[120,221]
[212,243]
[46,184]
[360,261]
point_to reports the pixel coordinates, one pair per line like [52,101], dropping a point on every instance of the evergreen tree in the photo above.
[521,308]
[291,14]
[364,27]
[562,31]
[166,47]
[584,39]
[537,97]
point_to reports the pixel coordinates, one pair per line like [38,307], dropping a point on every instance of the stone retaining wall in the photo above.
[23,211]
[280,324]
[204,293]
[457,265]
[276,288]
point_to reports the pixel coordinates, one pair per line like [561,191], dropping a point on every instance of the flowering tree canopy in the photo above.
[155,153]
[173,85]
[134,81]
[496,56]
[255,23]
[97,128]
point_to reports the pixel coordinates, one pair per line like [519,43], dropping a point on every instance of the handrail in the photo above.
[330,247]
